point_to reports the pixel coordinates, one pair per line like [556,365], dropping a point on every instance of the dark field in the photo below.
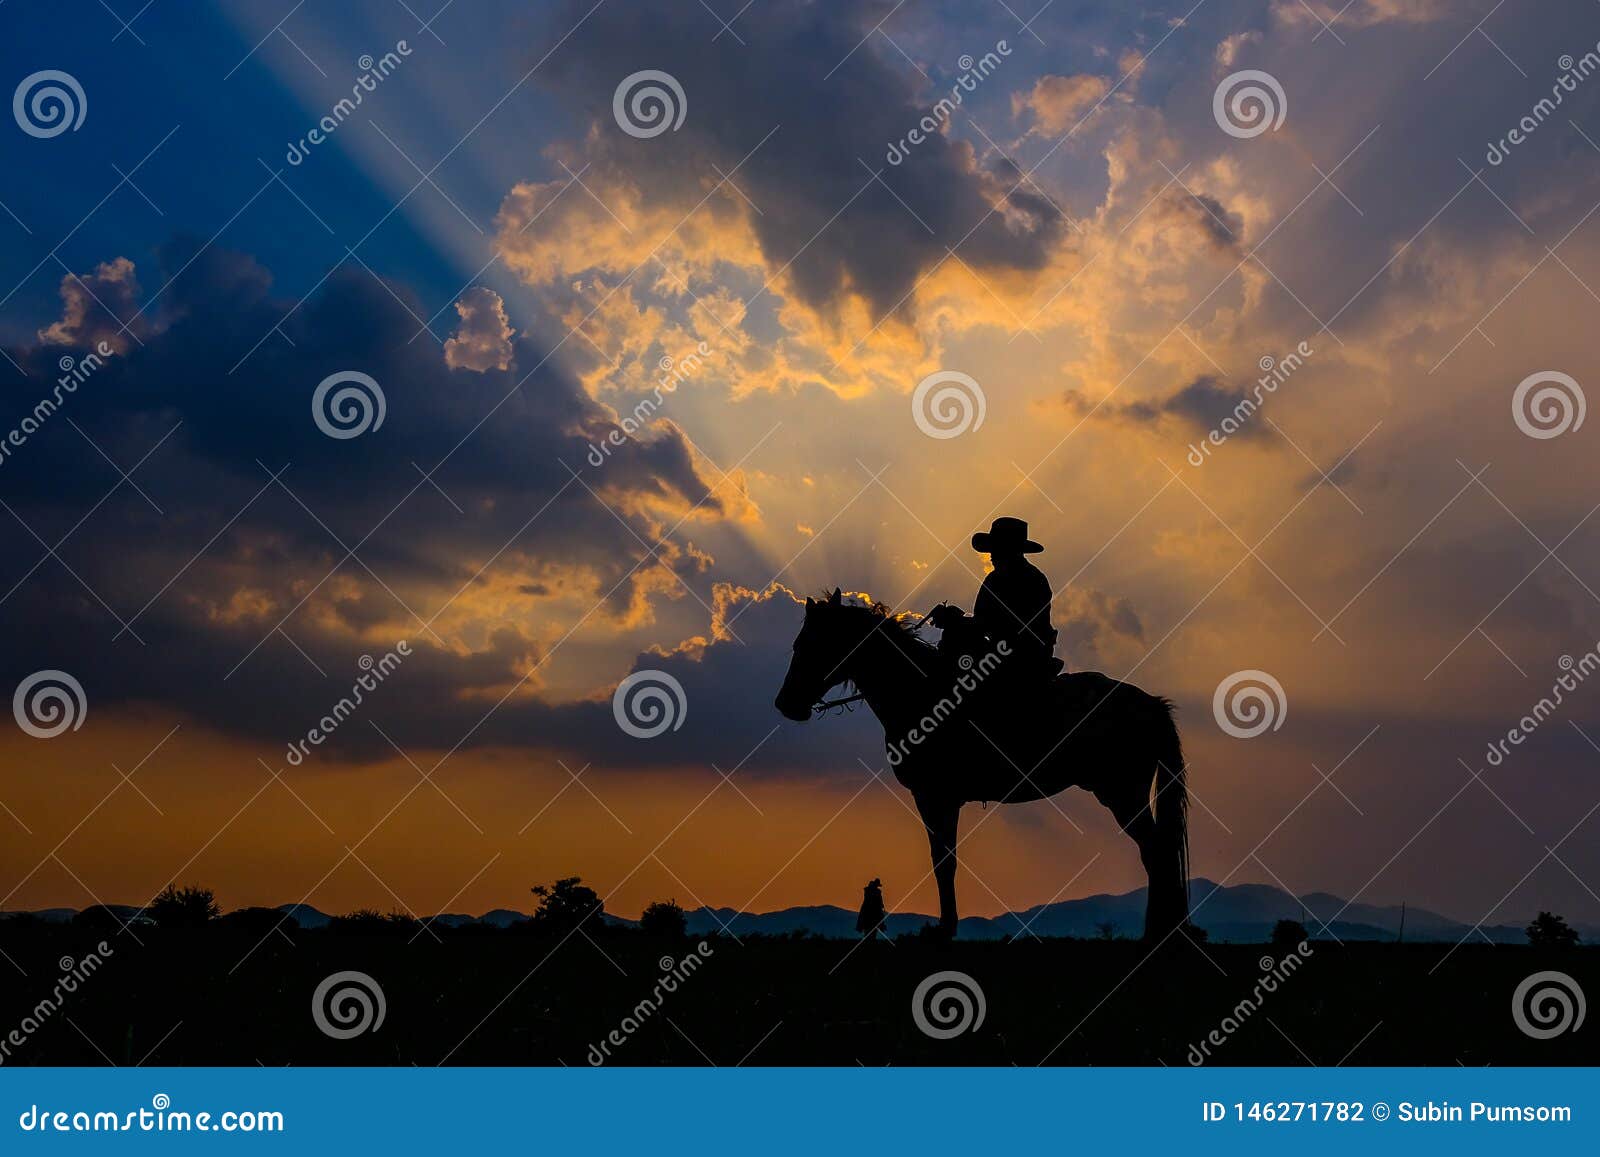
[488,998]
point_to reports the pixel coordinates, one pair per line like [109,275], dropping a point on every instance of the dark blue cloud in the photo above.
[207,527]
[832,100]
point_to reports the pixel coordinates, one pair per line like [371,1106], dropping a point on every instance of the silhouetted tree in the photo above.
[664,918]
[564,905]
[1106,930]
[1196,933]
[1288,933]
[186,907]
[1551,931]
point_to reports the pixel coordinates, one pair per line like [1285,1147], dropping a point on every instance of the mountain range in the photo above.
[1241,913]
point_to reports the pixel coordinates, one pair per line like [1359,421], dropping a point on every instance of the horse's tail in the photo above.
[1171,799]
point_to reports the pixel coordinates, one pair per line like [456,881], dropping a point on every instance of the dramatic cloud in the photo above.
[1228,51]
[810,215]
[482,341]
[1360,13]
[102,306]
[1056,103]
[1203,404]
[252,551]
[1220,227]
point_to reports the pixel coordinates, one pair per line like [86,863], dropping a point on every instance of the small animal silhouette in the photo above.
[951,744]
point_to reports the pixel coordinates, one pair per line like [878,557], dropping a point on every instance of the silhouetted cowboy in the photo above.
[1013,603]
[870,920]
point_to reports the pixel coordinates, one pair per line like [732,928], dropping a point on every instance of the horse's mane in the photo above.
[902,625]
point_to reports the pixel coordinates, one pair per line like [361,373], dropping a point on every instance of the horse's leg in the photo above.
[940,816]
[1132,812]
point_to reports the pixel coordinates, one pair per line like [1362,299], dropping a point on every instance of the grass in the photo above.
[226,997]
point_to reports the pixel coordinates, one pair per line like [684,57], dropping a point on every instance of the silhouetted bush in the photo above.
[1288,933]
[664,918]
[370,921]
[1551,931]
[187,907]
[564,905]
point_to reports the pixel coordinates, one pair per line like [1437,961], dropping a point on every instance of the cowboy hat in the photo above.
[1005,535]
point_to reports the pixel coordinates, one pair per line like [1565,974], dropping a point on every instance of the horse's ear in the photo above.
[810,603]
[836,597]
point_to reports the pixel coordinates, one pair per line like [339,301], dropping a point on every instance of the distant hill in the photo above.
[55,915]
[502,917]
[308,916]
[1241,913]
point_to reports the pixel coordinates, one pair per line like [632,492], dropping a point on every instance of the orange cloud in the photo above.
[1056,103]
[96,308]
[482,341]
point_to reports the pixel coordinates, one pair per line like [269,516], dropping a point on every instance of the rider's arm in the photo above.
[988,609]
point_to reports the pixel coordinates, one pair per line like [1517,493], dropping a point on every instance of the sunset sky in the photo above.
[1083,236]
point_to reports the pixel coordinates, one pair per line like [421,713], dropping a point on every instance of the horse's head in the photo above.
[820,651]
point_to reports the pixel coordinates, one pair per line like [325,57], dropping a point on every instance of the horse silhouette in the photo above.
[950,744]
